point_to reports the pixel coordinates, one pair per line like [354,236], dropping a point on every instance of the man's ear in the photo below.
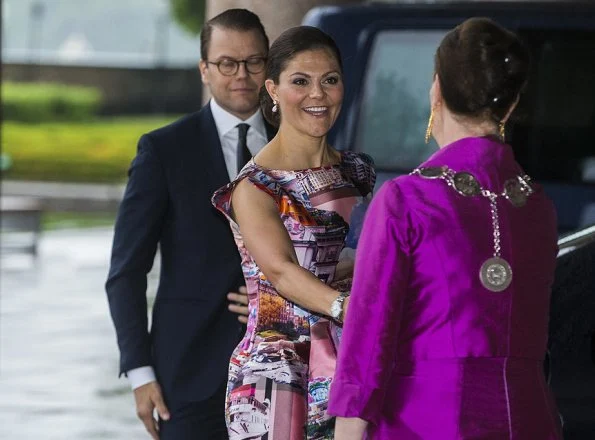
[203,69]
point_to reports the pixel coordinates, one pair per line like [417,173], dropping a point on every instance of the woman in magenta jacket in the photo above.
[446,330]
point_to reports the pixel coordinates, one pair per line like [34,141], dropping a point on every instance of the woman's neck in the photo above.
[453,129]
[293,150]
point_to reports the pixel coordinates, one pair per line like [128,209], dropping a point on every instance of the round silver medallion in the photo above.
[495,274]
[432,172]
[466,184]
[514,192]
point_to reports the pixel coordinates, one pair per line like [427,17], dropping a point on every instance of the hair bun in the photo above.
[482,68]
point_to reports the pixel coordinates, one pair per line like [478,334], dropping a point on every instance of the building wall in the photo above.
[126,90]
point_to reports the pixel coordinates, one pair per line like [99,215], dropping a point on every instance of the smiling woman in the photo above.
[290,210]
[309,92]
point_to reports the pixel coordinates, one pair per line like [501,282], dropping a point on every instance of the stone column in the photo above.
[276,15]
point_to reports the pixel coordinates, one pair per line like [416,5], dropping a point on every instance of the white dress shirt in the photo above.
[228,134]
[256,138]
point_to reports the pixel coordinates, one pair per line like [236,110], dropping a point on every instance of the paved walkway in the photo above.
[58,352]
[56,196]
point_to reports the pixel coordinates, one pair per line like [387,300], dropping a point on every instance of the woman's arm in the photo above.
[371,331]
[268,242]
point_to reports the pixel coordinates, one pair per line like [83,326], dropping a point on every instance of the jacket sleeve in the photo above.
[137,233]
[371,330]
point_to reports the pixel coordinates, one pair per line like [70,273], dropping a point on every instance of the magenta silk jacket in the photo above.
[427,352]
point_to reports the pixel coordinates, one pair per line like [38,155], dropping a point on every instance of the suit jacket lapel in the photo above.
[215,167]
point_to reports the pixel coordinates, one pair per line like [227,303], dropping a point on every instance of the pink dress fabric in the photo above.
[280,373]
[427,352]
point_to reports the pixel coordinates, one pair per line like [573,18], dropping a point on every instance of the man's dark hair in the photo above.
[241,20]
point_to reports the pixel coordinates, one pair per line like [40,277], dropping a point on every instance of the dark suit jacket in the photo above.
[168,202]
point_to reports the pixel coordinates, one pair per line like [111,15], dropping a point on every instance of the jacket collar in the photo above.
[473,153]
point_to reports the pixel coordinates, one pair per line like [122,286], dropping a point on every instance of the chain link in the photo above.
[495,223]
[448,175]
[495,273]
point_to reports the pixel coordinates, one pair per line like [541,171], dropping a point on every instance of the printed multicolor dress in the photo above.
[280,373]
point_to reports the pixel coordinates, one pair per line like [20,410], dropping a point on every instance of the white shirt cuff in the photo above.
[140,376]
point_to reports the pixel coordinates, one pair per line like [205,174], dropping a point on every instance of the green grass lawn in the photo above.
[98,151]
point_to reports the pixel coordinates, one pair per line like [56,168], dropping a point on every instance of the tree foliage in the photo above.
[189,14]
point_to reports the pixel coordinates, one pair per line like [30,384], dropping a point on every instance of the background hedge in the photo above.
[100,151]
[43,102]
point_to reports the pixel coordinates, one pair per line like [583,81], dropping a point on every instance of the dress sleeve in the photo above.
[370,335]
[262,180]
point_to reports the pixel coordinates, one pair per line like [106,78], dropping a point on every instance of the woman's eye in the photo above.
[332,80]
[300,81]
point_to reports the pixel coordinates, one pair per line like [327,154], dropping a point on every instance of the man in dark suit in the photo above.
[180,368]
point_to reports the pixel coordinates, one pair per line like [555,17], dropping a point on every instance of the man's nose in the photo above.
[242,70]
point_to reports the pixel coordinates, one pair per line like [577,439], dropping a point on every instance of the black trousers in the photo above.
[203,420]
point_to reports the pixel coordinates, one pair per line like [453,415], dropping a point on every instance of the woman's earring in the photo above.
[502,130]
[275,108]
[430,126]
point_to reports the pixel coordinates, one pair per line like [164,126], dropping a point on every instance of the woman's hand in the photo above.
[350,428]
[345,307]
[344,270]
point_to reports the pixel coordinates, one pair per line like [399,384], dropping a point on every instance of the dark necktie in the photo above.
[243,154]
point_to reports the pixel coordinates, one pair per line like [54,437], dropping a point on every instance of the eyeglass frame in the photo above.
[237,64]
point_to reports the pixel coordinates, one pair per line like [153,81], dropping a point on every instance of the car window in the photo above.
[553,133]
[555,137]
[395,102]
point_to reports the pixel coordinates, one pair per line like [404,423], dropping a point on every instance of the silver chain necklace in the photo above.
[495,273]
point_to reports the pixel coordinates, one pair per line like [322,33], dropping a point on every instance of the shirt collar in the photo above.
[225,121]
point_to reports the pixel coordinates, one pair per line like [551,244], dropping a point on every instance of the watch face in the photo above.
[336,309]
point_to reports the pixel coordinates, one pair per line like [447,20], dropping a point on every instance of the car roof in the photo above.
[564,13]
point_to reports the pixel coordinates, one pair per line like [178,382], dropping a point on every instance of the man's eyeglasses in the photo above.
[229,67]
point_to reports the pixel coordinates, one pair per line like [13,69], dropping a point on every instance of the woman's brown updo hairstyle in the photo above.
[482,68]
[290,43]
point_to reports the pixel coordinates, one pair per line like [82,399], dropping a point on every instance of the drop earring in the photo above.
[430,126]
[275,108]
[502,131]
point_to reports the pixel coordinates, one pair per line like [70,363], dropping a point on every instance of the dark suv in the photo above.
[388,52]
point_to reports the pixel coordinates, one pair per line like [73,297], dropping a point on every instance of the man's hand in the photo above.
[148,397]
[239,304]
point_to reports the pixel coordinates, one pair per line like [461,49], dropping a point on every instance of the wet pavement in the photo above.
[59,359]
[58,354]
